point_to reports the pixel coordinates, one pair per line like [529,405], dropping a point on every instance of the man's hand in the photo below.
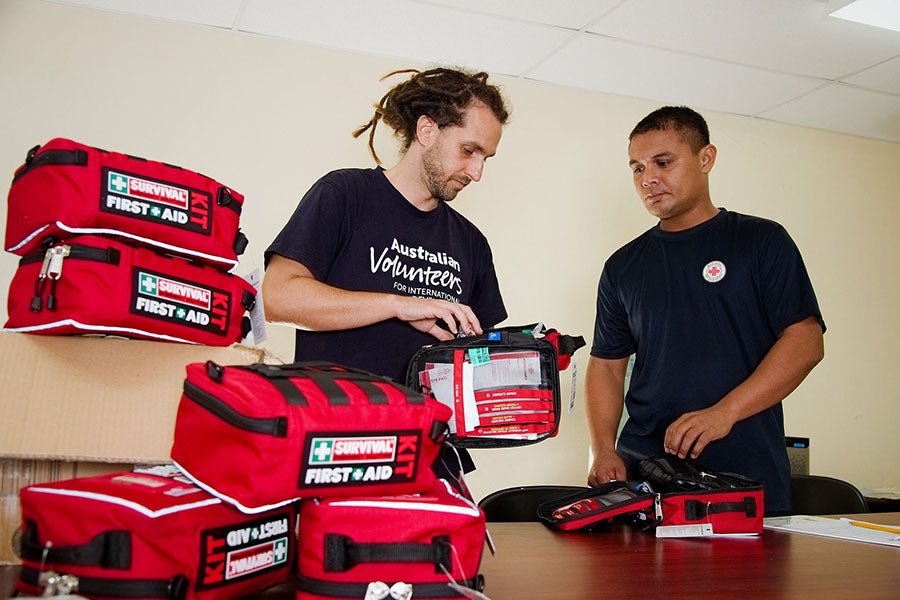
[425,313]
[608,466]
[697,429]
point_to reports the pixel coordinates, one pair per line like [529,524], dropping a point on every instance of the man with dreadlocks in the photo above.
[374,263]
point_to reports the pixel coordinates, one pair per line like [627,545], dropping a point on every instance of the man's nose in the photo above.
[649,178]
[474,169]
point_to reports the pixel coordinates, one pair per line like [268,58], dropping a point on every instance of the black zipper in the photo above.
[175,588]
[105,255]
[78,158]
[273,426]
[52,258]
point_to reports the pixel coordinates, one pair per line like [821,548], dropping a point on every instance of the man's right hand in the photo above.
[425,313]
[607,466]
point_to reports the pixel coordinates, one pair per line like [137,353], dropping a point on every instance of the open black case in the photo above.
[502,385]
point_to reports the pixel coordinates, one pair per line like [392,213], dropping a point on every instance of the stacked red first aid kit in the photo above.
[313,472]
[119,245]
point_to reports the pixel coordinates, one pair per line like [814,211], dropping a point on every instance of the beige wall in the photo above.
[269,117]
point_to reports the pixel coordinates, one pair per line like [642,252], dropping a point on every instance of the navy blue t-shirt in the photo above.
[354,230]
[700,309]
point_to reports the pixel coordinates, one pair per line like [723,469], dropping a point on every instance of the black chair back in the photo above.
[519,504]
[819,495]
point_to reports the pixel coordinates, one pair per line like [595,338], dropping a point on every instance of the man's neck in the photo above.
[406,177]
[698,215]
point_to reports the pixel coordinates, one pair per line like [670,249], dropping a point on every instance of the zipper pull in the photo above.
[657,508]
[40,284]
[54,271]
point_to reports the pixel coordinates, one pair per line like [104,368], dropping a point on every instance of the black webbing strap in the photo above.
[337,589]
[175,588]
[248,299]
[568,344]
[240,242]
[325,376]
[695,510]
[78,158]
[108,550]
[342,553]
[225,198]
[292,395]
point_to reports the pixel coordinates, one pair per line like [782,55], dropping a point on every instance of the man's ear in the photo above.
[707,158]
[426,131]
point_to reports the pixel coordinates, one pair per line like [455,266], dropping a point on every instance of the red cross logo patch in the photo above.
[714,271]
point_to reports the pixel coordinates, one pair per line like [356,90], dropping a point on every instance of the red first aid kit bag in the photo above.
[149,535]
[92,284]
[675,493]
[261,435]
[389,546]
[66,188]
[503,385]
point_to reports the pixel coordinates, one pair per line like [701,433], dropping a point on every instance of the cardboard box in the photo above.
[81,406]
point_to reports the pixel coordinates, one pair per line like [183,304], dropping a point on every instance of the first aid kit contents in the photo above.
[149,534]
[427,545]
[262,435]
[503,385]
[93,284]
[65,188]
[674,493]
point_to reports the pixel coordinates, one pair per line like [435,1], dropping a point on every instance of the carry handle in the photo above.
[324,374]
[697,510]
[342,553]
[109,550]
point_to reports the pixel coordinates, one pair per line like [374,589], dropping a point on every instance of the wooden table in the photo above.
[533,561]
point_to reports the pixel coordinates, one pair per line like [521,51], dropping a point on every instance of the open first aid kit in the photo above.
[149,534]
[261,436]
[65,189]
[678,497]
[426,545]
[94,284]
[503,385]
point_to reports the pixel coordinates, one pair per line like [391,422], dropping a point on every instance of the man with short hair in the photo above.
[719,311]
[374,263]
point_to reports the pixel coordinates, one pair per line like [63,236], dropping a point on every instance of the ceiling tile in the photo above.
[791,36]
[618,67]
[218,13]
[845,109]
[400,28]
[573,14]
[884,77]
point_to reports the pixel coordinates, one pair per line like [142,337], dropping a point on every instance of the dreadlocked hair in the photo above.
[441,94]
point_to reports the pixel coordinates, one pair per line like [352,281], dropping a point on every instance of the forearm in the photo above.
[314,305]
[785,366]
[604,401]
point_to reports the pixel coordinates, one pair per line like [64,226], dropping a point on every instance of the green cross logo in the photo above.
[156,211]
[281,550]
[357,474]
[148,284]
[118,183]
[322,451]
[180,313]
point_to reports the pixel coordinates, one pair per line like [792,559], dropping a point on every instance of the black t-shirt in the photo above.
[700,309]
[353,230]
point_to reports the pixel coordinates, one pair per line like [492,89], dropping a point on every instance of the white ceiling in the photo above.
[784,60]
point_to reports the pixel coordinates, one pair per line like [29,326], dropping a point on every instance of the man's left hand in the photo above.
[692,431]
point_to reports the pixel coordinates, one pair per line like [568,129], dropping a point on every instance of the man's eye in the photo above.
[638,170]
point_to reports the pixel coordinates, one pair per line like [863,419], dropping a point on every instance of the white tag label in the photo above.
[673,531]
[572,387]
[258,314]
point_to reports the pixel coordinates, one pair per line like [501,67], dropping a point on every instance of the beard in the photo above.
[436,178]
